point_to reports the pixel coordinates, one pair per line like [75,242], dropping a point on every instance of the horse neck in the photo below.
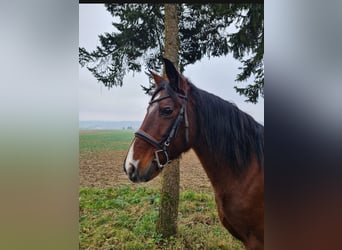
[221,175]
[210,132]
[199,144]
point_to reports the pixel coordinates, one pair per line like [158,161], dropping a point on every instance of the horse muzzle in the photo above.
[136,175]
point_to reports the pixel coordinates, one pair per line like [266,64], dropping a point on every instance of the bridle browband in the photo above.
[164,143]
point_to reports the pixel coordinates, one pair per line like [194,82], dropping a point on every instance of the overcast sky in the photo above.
[129,103]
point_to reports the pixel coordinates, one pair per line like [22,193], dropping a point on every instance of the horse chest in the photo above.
[233,216]
[237,217]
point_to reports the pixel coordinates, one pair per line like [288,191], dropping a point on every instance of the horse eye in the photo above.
[165,111]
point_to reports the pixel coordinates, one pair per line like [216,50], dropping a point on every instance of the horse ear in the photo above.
[157,78]
[175,78]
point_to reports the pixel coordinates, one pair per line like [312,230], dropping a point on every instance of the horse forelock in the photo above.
[170,91]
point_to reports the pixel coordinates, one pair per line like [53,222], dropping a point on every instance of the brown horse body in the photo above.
[228,142]
[239,201]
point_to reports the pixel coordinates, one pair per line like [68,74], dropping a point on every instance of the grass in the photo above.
[105,139]
[125,217]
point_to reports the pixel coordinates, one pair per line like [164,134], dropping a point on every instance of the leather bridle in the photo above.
[164,143]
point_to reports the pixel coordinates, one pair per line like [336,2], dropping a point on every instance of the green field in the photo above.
[124,217]
[106,139]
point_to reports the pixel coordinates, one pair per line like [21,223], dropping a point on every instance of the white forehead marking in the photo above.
[129,159]
[155,104]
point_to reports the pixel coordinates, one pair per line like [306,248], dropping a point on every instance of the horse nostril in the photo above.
[131,169]
[132,172]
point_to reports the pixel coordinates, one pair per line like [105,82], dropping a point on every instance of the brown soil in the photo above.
[104,169]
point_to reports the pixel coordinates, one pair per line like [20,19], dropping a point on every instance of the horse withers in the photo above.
[228,142]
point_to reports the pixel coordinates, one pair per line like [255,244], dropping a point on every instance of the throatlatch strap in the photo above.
[186,127]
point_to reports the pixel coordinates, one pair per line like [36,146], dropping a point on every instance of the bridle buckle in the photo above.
[156,154]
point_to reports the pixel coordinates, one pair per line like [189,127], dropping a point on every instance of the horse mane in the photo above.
[232,136]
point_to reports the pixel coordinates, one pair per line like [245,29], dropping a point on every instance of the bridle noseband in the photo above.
[164,143]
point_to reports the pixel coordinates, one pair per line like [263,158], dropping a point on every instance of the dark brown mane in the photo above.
[231,135]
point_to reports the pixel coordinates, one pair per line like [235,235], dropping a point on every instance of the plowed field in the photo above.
[102,166]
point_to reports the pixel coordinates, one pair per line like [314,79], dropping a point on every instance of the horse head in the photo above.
[164,133]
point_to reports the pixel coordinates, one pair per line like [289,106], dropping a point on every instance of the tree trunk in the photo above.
[168,213]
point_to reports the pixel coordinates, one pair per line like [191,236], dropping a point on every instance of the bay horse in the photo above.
[228,142]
